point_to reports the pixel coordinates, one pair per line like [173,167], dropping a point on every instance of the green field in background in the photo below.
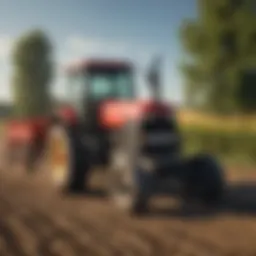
[231,146]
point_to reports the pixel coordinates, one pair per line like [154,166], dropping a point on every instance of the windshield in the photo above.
[111,85]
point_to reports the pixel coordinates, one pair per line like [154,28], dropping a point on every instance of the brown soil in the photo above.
[35,220]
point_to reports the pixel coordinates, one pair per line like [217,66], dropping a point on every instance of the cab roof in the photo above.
[83,65]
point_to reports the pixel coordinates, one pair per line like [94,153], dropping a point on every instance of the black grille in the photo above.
[158,123]
[157,126]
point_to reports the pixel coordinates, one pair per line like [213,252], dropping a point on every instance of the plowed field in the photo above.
[35,220]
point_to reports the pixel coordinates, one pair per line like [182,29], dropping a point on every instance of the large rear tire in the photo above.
[66,159]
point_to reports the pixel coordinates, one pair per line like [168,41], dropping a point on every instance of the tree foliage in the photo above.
[220,64]
[32,74]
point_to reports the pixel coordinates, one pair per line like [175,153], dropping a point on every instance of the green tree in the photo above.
[32,74]
[220,48]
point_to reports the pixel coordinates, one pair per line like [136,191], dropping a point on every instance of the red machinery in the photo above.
[104,123]
[24,141]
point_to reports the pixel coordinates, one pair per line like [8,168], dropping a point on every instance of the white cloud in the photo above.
[95,46]
[6,43]
[79,44]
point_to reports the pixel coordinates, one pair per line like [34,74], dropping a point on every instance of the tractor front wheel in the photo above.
[204,180]
[66,159]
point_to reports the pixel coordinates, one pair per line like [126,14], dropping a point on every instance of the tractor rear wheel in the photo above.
[66,159]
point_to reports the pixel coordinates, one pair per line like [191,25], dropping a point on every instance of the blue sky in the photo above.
[136,29]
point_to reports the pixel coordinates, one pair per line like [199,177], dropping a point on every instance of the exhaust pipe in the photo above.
[154,79]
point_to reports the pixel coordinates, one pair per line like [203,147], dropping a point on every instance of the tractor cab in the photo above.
[92,88]
[94,82]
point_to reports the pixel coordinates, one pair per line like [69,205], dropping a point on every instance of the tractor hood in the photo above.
[114,114]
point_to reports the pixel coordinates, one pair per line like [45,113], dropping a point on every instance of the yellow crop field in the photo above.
[226,123]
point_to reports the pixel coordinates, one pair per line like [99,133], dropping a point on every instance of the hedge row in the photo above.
[234,145]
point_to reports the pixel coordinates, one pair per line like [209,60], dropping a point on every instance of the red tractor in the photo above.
[137,142]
